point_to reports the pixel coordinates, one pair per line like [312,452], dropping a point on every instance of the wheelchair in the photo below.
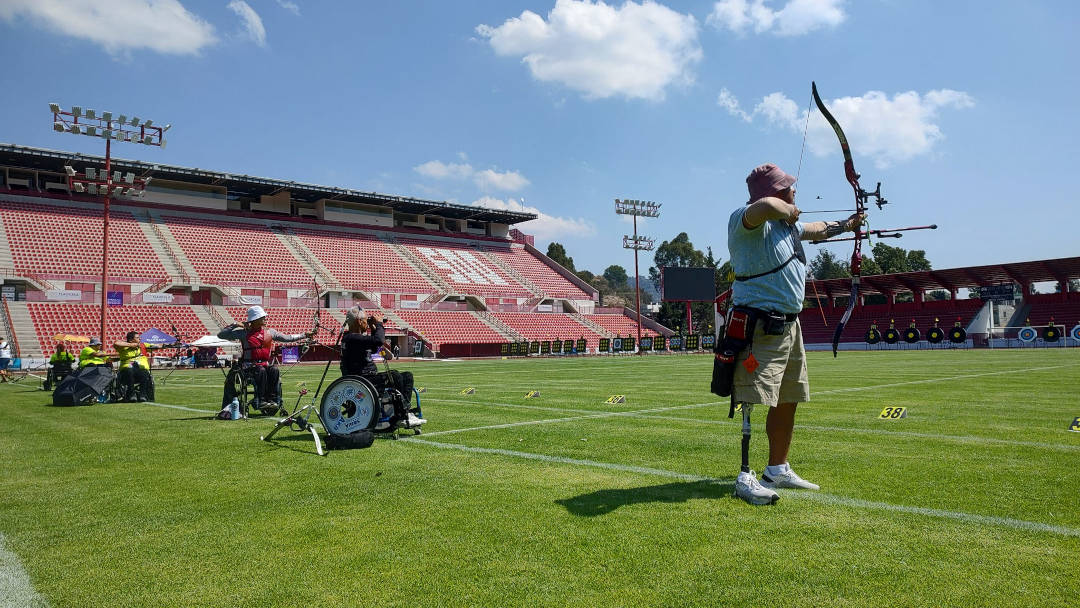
[351,411]
[54,375]
[120,393]
[240,383]
[354,403]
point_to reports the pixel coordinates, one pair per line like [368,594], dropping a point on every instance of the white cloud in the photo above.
[164,26]
[486,179]
[292,7]
[489,179]
[885,130]
[796,18]
[253,25]
[440,170]
[544,227]
[728,101]
[634,51]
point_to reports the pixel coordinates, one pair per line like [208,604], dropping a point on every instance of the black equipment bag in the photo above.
[739,336]
[353,441]
[84,386]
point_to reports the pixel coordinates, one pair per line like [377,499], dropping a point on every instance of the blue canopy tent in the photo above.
[156,337]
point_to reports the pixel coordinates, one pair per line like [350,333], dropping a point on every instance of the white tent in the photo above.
[212,342]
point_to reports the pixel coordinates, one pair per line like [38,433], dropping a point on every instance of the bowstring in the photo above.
[798,173]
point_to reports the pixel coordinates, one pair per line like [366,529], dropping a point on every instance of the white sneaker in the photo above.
[786,478]
[415,420]
[748,489]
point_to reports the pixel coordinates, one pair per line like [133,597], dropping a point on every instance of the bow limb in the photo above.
[861,197]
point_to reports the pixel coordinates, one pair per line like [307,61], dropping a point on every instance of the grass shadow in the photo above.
[602,502]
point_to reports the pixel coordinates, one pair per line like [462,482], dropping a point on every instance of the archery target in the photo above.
[1051,334]
[1076,332]
[957,335]
[912,335]
[935,335]
[1027,334]
[892,336]
[873,336]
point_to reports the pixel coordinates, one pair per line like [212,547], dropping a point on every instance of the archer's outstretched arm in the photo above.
[816,231]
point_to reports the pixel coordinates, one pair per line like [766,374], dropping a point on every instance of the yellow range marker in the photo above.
[468,391]
[532,394]
[893,413]
[616,399]
[1075,426]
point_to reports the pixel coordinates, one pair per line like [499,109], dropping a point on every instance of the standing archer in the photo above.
[764,241]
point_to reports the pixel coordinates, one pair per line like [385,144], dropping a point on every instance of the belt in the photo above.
[788,317]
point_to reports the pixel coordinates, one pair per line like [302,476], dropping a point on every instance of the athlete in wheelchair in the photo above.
[363,340]
[133,380]
[253,379]
[60,365]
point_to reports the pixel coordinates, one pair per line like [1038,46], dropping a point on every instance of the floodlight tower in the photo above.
[108,127]
[637,243]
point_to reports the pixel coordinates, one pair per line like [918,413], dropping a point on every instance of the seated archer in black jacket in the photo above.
[366,337]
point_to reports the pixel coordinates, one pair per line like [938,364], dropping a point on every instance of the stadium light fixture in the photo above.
[106,182]
[635,208]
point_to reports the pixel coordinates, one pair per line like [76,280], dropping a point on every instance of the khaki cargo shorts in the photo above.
[781,373]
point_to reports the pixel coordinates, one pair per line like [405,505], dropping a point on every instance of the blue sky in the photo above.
[964,110]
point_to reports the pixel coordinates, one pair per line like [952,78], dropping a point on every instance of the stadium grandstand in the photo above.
[198,247]
[992,319]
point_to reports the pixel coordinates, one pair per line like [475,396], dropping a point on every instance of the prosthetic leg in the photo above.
[746,410]
[746,485]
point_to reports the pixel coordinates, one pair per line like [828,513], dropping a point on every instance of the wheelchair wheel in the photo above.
[240,385]
[349,404]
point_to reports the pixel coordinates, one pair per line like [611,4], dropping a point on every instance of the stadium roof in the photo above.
[1024,273]
[52,160]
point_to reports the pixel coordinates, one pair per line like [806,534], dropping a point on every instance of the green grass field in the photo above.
[561,500]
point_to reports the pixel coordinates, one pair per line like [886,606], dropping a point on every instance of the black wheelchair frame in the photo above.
[245,390]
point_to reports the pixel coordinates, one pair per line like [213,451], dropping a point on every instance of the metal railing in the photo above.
[10,327]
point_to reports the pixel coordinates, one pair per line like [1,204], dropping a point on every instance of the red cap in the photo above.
[767,180]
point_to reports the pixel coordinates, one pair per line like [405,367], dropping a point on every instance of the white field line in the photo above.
[192,409]
[550,382]
[832,499]
[570,418]
[916,435]
[839,429]
[16,590]
[180,407]
[932,380]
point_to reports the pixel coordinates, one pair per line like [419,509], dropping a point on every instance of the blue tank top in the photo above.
[760,250]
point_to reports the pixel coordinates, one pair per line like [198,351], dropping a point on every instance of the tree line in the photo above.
[616,288]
